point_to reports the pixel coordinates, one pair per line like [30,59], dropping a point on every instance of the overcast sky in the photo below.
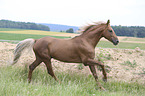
[74,12]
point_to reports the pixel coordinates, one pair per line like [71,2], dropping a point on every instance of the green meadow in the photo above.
[121,45]
[13,82]
[19,37]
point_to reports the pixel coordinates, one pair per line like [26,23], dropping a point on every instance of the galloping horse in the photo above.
[80,49]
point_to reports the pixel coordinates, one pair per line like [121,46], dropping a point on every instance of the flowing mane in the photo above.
[89,26]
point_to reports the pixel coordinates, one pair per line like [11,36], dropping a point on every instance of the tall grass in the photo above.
[13,82]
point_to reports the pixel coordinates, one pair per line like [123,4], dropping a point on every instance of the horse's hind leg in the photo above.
[49,68]
[32,67]
[43,53]
[47,60]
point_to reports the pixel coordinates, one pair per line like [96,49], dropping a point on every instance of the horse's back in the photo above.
[43,42]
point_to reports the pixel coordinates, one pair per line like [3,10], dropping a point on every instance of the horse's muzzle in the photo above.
[115,42]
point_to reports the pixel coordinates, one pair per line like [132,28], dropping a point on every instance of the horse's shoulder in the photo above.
[85,48]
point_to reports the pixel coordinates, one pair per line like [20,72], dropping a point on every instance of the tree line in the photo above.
[130,31]
[23,25]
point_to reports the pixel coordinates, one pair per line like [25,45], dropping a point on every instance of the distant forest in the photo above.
[23,25]
[130,31]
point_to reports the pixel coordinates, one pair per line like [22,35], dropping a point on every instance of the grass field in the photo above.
[13,82]
[19,34]
[19,37]
[10,29]
[32,32]
[134,39]
[122,45]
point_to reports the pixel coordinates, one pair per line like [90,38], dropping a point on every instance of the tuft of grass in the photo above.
[130,52]
[143,71]
[104,55]
[13,81]
[130,64]
[142,54]
[80,66]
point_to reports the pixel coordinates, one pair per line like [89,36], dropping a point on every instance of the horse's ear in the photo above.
[108,22]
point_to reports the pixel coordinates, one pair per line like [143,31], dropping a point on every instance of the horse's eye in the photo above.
[110,30]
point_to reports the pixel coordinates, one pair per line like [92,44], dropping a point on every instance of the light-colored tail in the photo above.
[21,46]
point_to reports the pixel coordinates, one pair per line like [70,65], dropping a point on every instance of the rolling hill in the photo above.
[59,27]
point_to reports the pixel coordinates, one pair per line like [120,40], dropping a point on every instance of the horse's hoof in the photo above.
[28,80]
[105,80]
[103,89]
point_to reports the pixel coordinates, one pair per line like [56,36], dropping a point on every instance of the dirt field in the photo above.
[121,64]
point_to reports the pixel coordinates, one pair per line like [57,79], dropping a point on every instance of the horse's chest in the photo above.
[87,51]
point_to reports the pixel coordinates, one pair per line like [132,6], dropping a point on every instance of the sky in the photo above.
[75,12]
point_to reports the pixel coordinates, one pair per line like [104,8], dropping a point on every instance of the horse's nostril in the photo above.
[117,41]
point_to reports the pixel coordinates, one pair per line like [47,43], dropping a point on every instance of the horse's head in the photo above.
[109,34]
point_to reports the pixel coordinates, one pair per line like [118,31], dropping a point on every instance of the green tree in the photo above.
[70,30]
[22,25]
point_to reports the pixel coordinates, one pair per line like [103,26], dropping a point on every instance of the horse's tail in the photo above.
[21,46]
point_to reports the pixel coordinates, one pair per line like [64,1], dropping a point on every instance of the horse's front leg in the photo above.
[95,62]
[93,70]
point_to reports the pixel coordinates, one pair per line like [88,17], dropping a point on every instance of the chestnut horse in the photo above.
[80,49]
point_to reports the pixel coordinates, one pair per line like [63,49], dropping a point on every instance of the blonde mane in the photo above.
[89,26]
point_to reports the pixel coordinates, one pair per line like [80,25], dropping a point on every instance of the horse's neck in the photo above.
[94,36]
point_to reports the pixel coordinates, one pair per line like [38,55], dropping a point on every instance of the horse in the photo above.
[80,49]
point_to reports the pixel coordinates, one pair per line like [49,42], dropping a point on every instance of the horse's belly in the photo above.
[69,60]
[66,57]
